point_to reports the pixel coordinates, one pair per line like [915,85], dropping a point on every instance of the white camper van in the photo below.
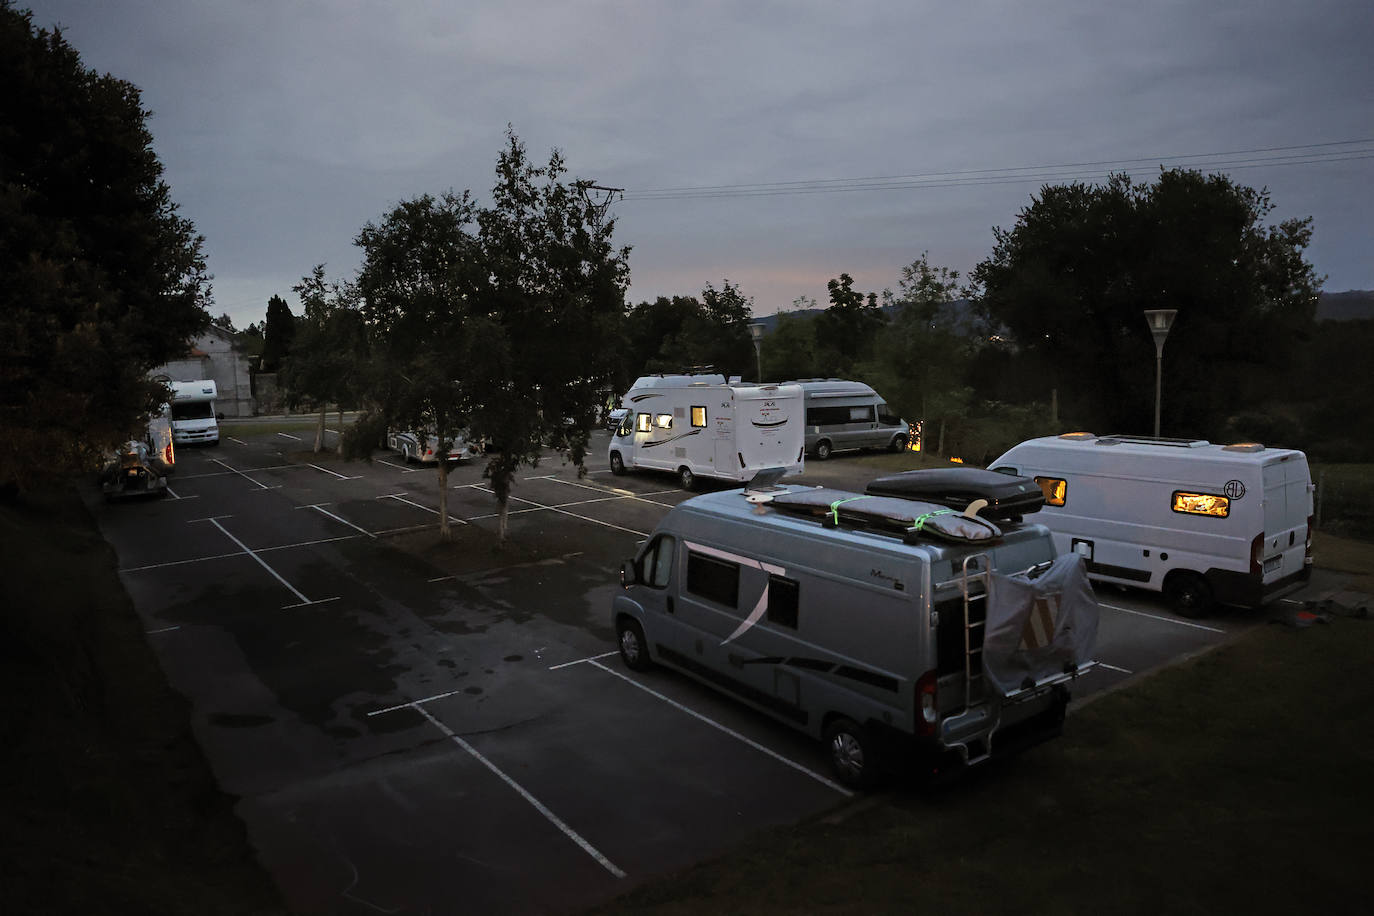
[1202,523]
[842,414]
[704,426]
[904,634]
[193,413]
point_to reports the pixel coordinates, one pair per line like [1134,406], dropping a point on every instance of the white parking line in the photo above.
[729,731]
[1182,623]
[263,563]
[173,494]
[163,630]
[581,660]
[335,473]
[585,518]
[285,436]
[1114,668]
[319,507]
[243,475]
[400,498]
[403,470]
[524,793]
[623,494]
[270,467]
[239,441]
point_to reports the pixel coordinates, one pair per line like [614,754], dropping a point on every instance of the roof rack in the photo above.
[907,519]
[1119,438]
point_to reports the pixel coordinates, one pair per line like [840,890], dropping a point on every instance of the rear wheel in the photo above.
[897,444]
[822,450]
[687,478]
[617,464]
[851,754]
[1188,593]
[634,651]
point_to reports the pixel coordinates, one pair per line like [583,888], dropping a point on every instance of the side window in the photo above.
[1201,504]
[645,423]
[664,421]
[1055,490]
[1003,469]
[826,416]
[657,562]
[861,414]
[698,417]
[712,579]
[782,601]
[887,417]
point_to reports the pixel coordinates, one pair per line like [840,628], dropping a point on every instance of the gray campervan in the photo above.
[845,415]
[902,633]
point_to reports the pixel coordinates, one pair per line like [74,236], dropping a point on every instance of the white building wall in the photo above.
[221,362]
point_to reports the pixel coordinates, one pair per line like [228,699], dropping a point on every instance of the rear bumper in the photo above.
[1245,590]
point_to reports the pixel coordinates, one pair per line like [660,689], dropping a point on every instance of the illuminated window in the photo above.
[1202,504]
[644,423]
[664,421]
[1054,489]
[698,417]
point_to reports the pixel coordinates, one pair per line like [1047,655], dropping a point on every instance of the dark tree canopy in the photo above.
[279,334]
[103,281]
[846,331]
[669,335]
[1069,284]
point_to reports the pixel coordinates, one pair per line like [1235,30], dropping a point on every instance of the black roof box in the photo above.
[1008,496]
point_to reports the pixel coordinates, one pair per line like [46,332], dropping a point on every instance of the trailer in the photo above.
[1202,523]
[703,425]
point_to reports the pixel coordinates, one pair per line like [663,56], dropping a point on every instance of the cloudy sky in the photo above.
[285,125]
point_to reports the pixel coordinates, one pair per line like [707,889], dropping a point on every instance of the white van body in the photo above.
[193,413]
[871,640]
[1200,522]
[703,426]
[842,415]
[409,448]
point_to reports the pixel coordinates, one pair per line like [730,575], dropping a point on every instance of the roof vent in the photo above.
[1076,435]
[1243,447]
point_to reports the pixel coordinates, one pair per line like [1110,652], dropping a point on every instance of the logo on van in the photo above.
[1234,489]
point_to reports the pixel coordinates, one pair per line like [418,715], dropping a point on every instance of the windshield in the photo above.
[198,410]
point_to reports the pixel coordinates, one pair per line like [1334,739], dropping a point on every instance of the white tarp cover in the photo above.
[1037,626]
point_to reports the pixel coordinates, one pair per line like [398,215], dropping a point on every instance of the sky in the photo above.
[286,125]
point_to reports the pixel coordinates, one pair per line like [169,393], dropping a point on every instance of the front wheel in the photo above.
[897,444]
[822,450]
[687,478]
[851,754]
[1188,594]
[634,651]
[617,464]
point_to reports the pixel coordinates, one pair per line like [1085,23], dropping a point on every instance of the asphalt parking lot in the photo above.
[424,728]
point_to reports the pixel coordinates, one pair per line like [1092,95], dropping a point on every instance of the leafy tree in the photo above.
[553,293]
[103,280]
[685,331]
[726,316]
[1069,284]
[789,352]
[658,336]
[279,332]
[421,265]
[846,331]
[330,349]
[225,322]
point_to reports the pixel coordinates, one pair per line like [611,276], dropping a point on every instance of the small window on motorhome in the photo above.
[658,561]
[1055,490]
[698,417]
[712,579]
[1202,504]
[826,416]
[645,423]
[861,414]
[887,417]
[782,601]
[664,421]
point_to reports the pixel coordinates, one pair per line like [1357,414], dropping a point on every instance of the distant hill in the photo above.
[1351,305]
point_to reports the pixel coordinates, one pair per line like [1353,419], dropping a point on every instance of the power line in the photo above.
[1307,154]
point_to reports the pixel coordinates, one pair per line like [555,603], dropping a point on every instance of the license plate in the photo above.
[133,472]
[1272,564]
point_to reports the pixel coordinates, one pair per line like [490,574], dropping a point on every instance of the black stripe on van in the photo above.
[1120,572]
[773,704]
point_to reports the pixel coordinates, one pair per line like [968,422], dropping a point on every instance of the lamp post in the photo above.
[1159,320]
[756,332]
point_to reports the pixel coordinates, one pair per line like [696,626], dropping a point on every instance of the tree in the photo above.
[421,266]
[225,322]
[845,331]
[685,331]
[103,280]
[789,352]
[279,333]
[330,351]
[553,293]
[1069,284]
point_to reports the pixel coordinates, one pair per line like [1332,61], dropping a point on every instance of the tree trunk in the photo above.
[445,532]
[338,447]
[940,449]
[319,432]
[502,509]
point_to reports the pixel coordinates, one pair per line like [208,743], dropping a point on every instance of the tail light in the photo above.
[1257,555]
[168,457]
[928,714]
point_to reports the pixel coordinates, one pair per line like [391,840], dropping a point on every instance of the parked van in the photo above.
[409,447]
[847,617]
[841,415]
[193,413]
[1199,522]
[701,425]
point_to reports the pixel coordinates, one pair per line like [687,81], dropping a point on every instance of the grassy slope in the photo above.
[108,804]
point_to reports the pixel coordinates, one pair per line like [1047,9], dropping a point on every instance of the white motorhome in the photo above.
[705,426]
[1202,523]
[841,415]
[193,413]
[874,624]
[408,445]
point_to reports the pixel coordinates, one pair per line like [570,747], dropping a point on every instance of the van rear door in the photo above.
[1287,508]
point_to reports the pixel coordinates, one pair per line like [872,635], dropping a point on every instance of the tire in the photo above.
[405,453]
[850,752]
[634,651]
[686,478]
[617,464]
[897,444]
[1188,594]
[823,450]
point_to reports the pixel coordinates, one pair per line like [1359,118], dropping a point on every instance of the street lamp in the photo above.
[1159,320]
[756,332]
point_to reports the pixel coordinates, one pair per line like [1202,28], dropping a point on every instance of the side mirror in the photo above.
[628,576]
[219,416]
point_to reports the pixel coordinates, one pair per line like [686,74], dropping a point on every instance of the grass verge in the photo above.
[1237,783]
[109,806]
